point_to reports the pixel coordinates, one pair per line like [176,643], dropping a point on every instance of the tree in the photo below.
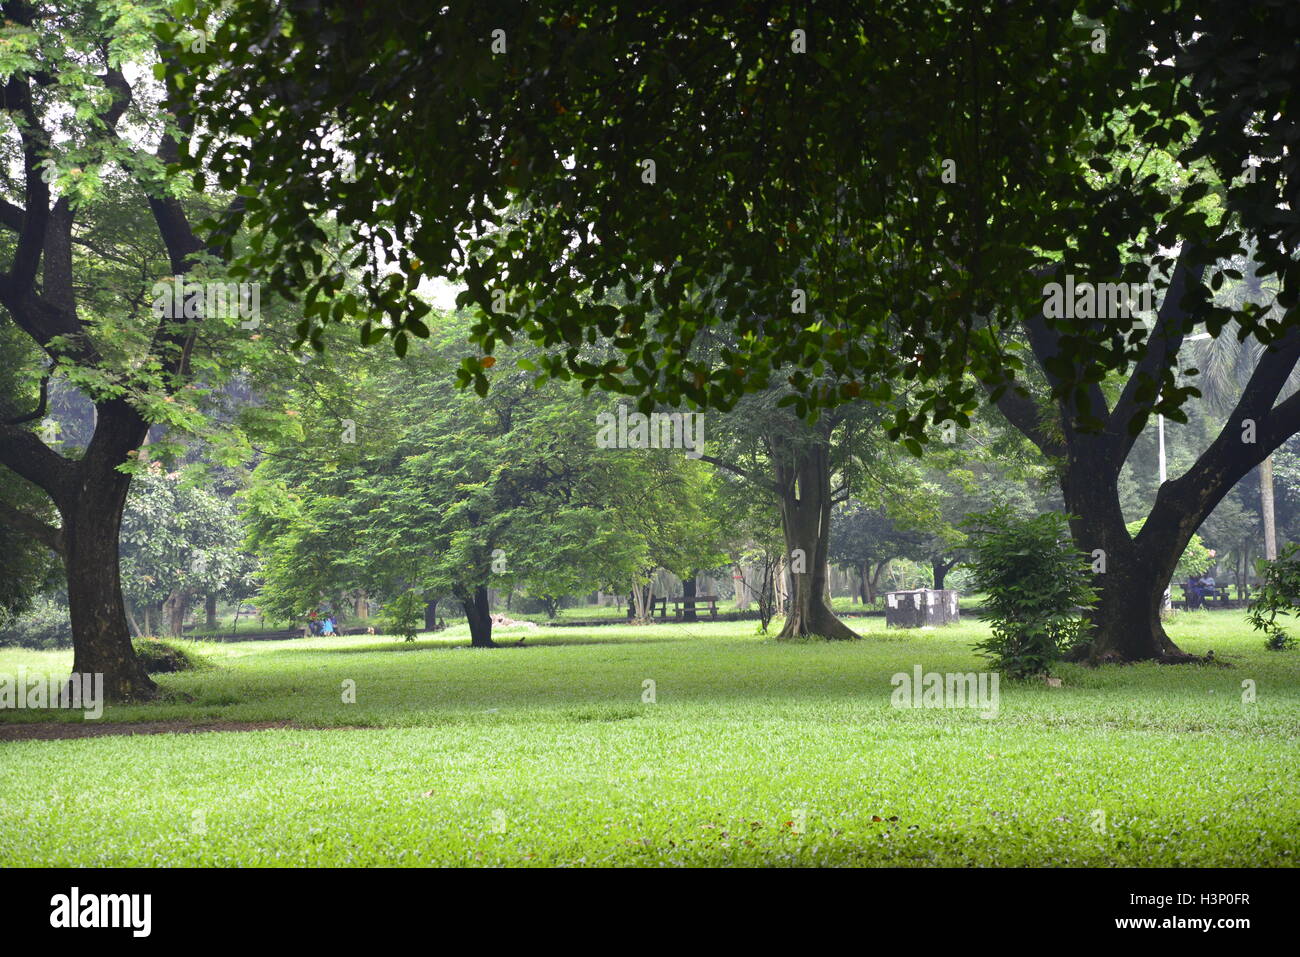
[88,224]
[444,495]
[1135,570]
[805,470]
[866,539]
[179,542]
[584,167]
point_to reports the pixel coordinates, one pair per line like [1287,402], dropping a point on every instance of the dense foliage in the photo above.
[1036,586]
[1279,594]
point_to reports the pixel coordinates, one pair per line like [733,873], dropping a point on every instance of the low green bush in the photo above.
[1037,586]
[45,624]
[166,657]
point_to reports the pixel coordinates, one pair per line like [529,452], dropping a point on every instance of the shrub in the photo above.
[165,657]
[1038,587]
[43,625]
[404,615]
[1279,592]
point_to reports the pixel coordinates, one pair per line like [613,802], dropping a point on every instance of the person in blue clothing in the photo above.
[327,628]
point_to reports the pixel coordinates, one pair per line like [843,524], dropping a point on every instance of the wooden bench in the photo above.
[680,605]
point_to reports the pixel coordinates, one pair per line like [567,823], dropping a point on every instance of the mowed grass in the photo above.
[754,752]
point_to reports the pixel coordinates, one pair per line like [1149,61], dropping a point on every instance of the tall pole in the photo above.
[1164,476]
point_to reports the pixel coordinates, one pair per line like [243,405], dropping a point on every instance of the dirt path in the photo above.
[55,730]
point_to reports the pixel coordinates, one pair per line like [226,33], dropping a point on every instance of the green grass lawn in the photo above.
[754,752]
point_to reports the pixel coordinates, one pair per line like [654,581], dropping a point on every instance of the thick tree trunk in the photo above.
[431,616]
[478,611]
[210,612]
[1127,619]
[361,605]
[805,488]
[101,637]
[688,591]
[1132,575]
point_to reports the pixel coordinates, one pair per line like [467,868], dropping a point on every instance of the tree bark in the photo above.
[638,608]
[1266,507]
[688,591]
[175,608]
[210,612]
[478,612]
[804,485]
[101,636]
[431,616]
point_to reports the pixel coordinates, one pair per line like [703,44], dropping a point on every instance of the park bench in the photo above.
[1219,599]
[680,605]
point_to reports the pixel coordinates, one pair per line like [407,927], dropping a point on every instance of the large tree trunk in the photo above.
[431,616]
[805,499]
[1132,574]
[478,611]
[210,612]
[100,635]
